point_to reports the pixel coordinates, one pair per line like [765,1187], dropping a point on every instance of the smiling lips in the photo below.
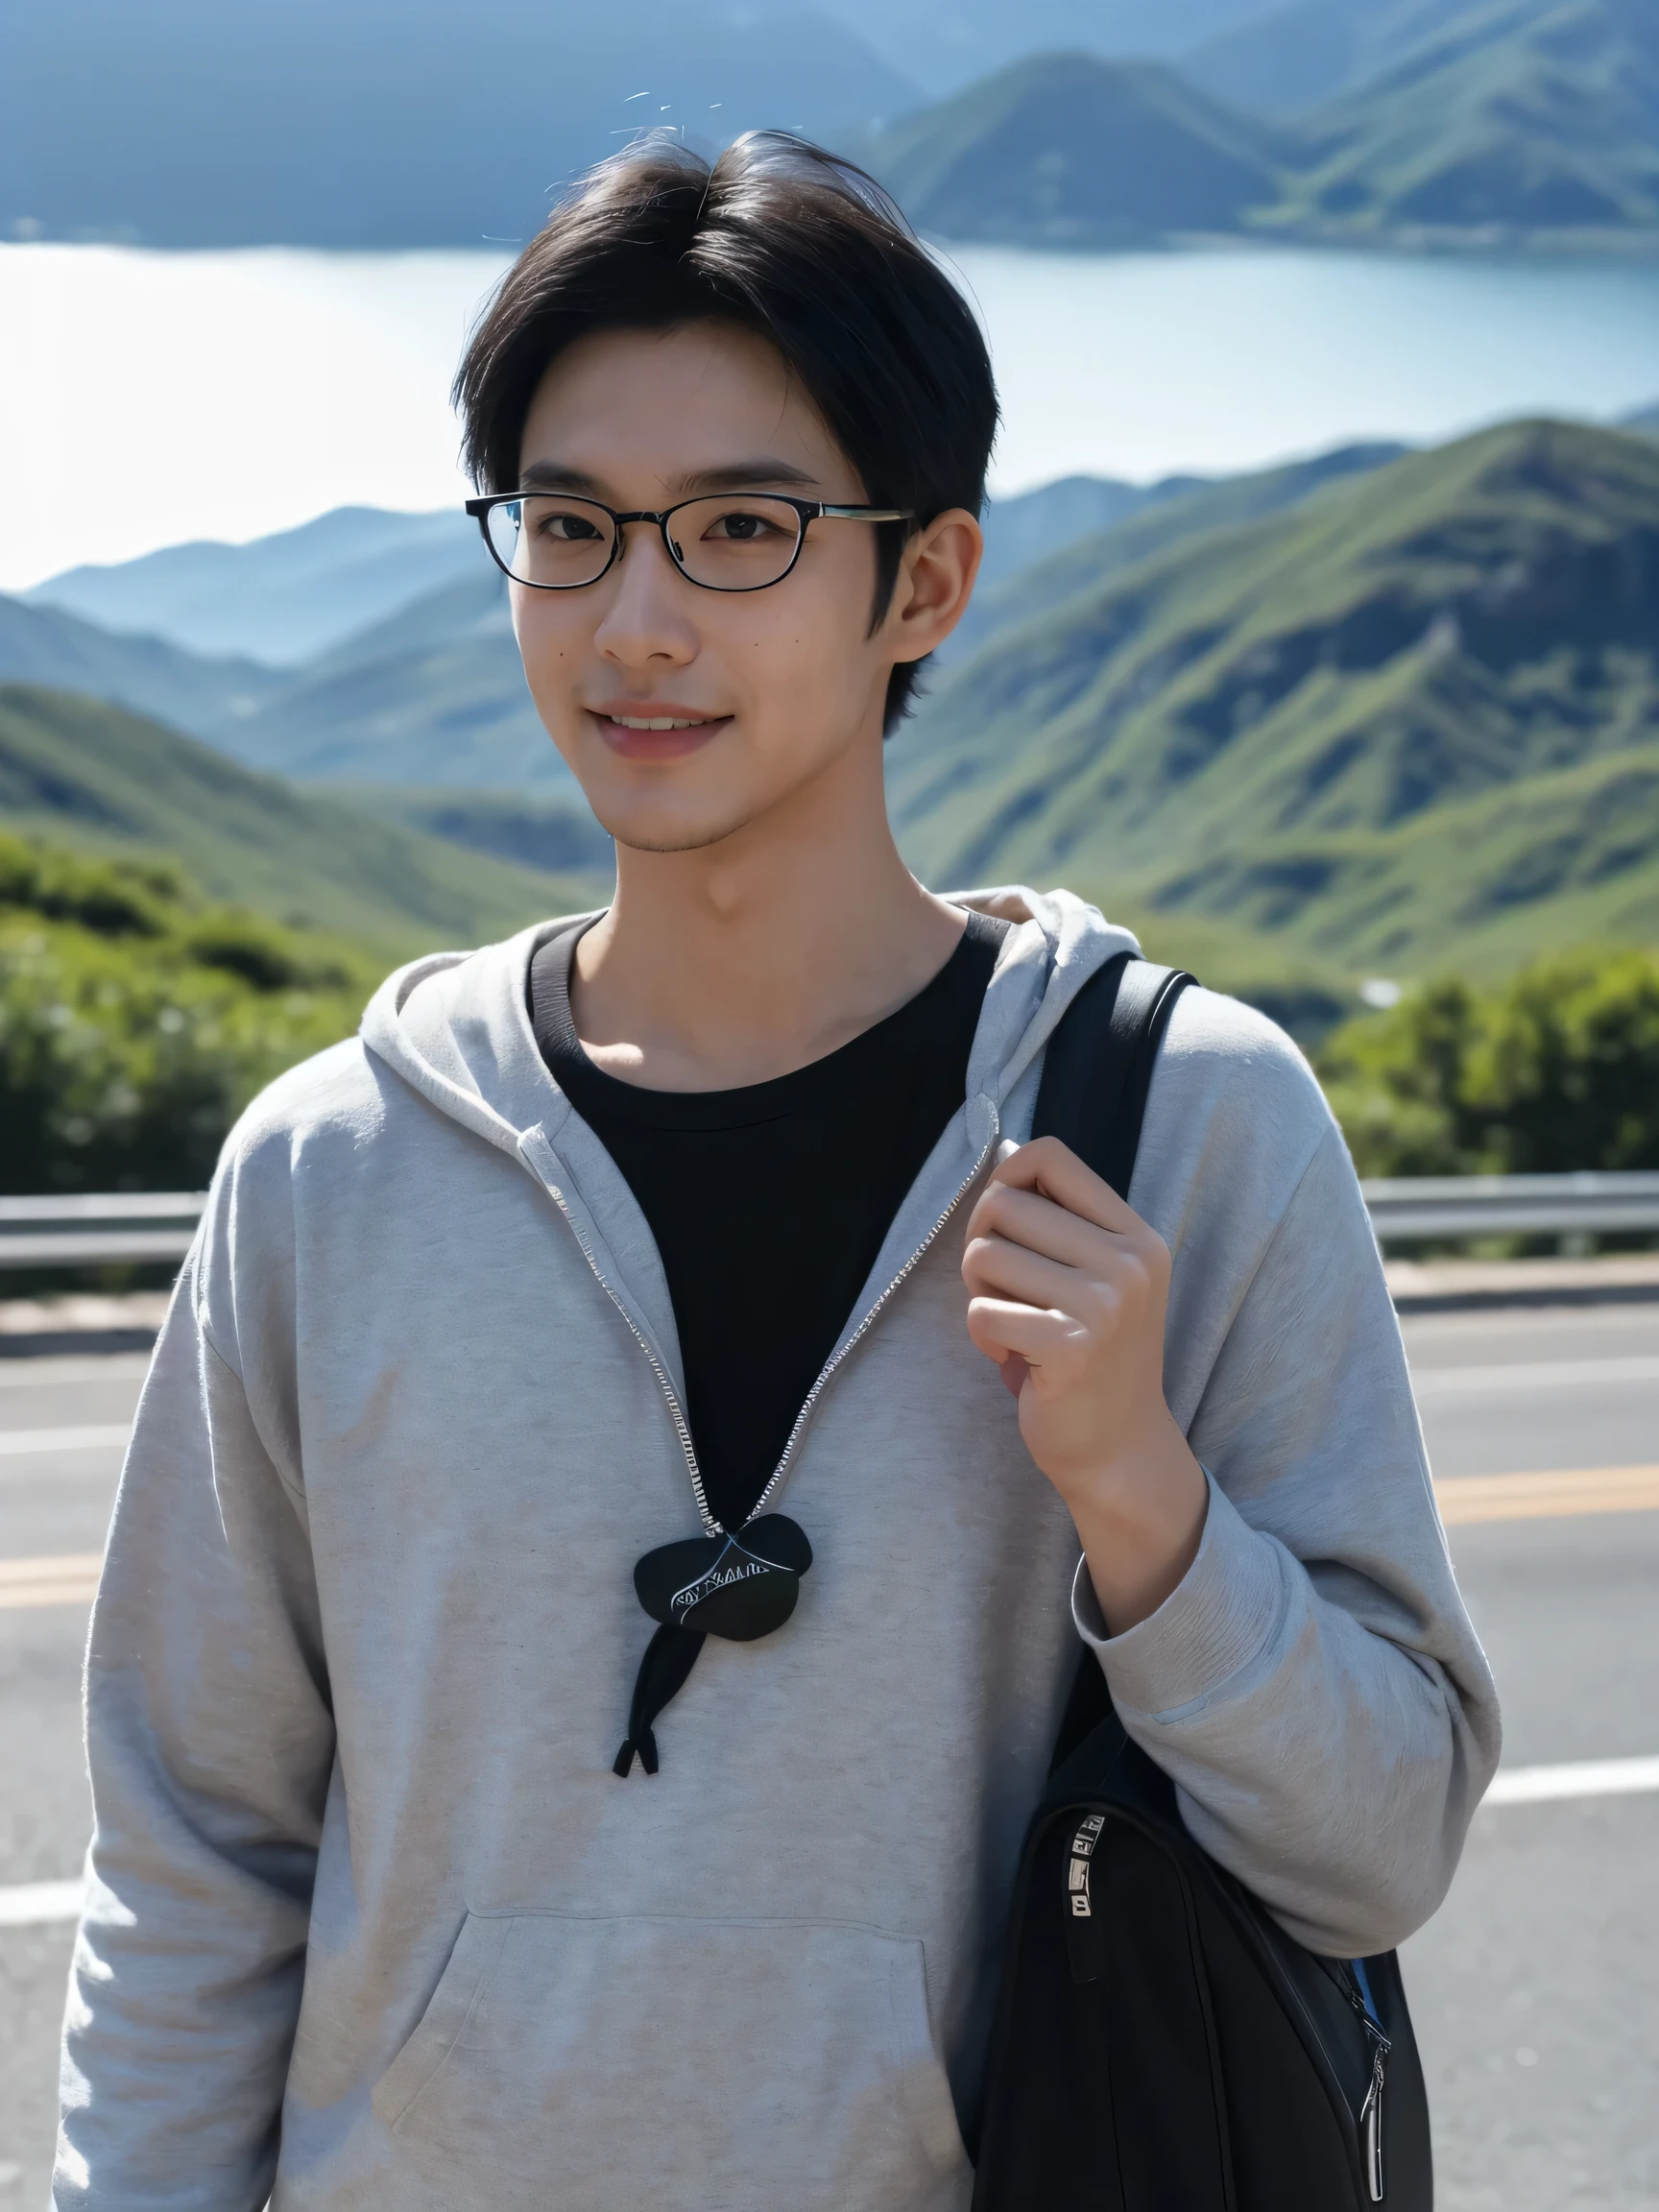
[668,735]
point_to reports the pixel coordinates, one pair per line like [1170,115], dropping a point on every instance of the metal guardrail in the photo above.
[94,1231]
[1452,1206]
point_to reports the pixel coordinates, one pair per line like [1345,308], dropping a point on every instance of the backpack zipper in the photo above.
[1371,2110]
[682,1427]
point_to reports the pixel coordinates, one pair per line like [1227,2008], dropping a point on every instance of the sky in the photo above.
[147,398]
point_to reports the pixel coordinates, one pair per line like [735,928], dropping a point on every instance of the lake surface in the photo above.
[147,397]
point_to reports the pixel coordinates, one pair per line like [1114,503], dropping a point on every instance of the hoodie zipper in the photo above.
[682,1428]
[836,1358]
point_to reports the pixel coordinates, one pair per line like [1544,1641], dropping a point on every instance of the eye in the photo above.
[742,526]
[566,528]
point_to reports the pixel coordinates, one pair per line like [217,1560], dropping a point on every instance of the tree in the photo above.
[1557,1070]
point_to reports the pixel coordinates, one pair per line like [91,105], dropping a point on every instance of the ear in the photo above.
[935,584]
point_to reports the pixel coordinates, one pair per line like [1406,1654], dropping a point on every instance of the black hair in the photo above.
[783,239]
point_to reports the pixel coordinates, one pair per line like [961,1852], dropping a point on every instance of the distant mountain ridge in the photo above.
[1064,150]
[1295,55]
[1530,116]
[1474,125]
[1351,707]
[432,694]
[946,44]
[282,599]
[80,770]
[385,123]
[1423,702]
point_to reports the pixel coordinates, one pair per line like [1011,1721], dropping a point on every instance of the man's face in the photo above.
[772,685]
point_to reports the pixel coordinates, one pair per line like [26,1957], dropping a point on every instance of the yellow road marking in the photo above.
[1548,1496]
[71,1578]
[68,1578]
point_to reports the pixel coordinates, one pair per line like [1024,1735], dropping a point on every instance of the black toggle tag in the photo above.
[740,1587]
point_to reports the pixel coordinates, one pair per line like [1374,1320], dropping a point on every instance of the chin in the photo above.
[660,828]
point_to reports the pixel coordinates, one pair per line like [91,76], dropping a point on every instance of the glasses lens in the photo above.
[736,543]
[551,540]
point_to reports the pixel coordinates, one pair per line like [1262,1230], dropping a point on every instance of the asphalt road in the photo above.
[1536,1989]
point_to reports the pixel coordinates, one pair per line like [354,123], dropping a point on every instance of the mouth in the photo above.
[659,736]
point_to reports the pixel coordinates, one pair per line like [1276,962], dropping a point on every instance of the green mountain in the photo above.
[66,652]
[1178,509]
[432,694]
[1423,706]
[1062,150]
[78,770]
[1293,56]
[558,836]
[1517,117]
[1473,123]
[281,599]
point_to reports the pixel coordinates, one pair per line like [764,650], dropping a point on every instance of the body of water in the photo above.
[148,397]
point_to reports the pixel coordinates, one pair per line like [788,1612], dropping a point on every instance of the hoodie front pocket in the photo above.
[606,2065]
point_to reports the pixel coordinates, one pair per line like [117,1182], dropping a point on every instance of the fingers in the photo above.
[1029,1202]
[1041,1225]
[1053,1169]
[1056,1348]
[996,1269]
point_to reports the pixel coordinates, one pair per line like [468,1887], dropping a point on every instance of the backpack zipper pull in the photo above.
[1371,2110]
[1371,2121]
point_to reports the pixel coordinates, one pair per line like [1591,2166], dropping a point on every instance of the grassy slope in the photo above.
[41,644]
[1066,150]
[1532,116]
[1181,515]
[1356,725]
[75,769]
[433,695]
[1482,123]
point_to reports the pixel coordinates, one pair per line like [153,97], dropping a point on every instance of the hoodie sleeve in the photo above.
[1313,1685]
[210,1745]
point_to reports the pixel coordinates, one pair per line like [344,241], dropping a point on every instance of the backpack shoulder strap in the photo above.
[1098,1065]
[1092,1097]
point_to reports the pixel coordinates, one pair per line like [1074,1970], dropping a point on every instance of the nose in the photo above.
[648,619]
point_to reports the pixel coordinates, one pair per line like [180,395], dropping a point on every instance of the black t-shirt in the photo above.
[769,1203]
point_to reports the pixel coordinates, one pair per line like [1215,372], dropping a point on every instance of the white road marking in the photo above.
[1580,1778]
[101,1436]
[1536,1374]
[45,1372]
[38,1903]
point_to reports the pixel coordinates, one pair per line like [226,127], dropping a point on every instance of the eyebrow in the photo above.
[749,475]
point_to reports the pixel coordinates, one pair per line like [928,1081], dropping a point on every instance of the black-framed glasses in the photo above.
[725,541]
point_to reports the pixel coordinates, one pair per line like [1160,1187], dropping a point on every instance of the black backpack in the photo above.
[1161,2044]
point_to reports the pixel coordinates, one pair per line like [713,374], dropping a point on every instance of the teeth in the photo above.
[652,722]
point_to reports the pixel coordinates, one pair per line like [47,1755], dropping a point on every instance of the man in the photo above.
[432,1868]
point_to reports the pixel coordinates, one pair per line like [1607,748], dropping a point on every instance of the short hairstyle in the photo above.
[783,239]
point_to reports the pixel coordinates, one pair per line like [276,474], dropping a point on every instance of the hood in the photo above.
[455,1026]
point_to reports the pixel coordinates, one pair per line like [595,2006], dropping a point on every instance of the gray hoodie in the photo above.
[373,1923]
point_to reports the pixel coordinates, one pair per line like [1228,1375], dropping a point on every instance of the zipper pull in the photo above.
[1371,2118]
[1371,2110]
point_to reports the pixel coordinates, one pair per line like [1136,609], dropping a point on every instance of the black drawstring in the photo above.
[670,1658]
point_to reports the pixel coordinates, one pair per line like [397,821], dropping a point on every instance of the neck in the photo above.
[740,961]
